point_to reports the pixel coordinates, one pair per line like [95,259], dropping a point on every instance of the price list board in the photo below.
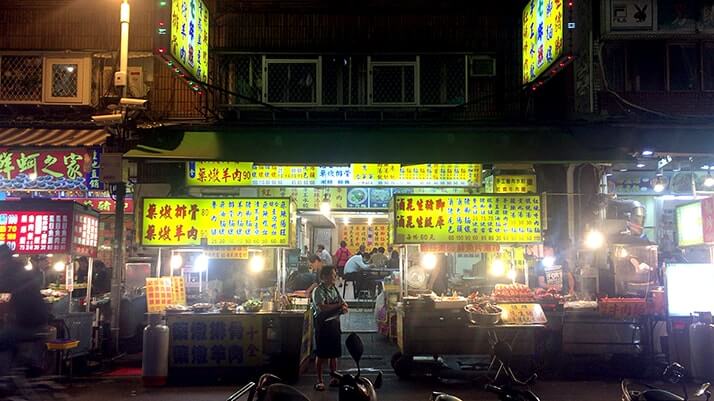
[500,219]
[218,221]
[35,232]
[49,226]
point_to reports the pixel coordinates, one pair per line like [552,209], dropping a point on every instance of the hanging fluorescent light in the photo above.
[641,165]
[647,153]
[176,262]
[325,207]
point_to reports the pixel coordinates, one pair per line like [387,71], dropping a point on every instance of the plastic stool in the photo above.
[61,348]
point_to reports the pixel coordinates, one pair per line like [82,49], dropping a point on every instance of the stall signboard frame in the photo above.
[240,174]
[261,222]
[44,226]
[546,38]
[498,219]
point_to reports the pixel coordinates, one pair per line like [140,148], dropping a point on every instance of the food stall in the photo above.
[223,338]
[450,324]
[55,233]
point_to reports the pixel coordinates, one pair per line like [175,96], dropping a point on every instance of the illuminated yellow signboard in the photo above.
[211,173]
[542,37]
[189,36]
[462,218]
[226,173]
[218,221]
[511,184]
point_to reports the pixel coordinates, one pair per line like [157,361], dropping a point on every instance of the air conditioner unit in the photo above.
[482,66]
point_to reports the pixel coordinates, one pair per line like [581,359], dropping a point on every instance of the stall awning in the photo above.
[10,137]
[424,144]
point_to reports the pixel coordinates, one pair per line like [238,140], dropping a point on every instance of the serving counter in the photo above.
[214,345]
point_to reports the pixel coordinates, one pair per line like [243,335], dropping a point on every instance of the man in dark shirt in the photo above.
[28,311]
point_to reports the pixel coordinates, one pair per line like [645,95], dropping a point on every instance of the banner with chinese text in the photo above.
[215,340]
[511,184]
[220,221]
[35,169]
[103,205]
[226,173]
[456,218]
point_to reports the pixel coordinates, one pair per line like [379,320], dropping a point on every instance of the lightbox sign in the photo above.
[542,37]
[477,219]
[690,227]
[182,29]
[47,170]
[60,227]
[215,222]
[226,173]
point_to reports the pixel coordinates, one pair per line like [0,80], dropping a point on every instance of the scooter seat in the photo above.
[658,395]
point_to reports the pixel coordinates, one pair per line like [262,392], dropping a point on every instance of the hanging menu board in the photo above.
[459,218]
[371,236]
[226,173]
[220,221]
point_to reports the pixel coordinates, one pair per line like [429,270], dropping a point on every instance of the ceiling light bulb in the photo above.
[325,207]
[176,262]
[647,153]
[59,266]
[709,181]
[594,239]
[257,264]
[28,266]
[641,165]
[428,261]
[497,269]
[201,263]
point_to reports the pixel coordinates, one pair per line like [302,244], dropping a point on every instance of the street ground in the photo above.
[592,382]
[392,390]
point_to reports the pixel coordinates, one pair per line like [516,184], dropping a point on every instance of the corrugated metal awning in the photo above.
[52,137]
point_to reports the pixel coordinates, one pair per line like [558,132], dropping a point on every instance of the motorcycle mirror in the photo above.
[674,372]
[702,390]
[355,348]
[378,381]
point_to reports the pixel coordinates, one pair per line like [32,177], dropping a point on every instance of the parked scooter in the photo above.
[513,388]
[357,387]
[352,387]
[633,391]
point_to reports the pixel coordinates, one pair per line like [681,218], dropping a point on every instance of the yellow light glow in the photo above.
[256,263]
[176,262]
[59,266]
[594,239]
[511,275]
[498,268]
[622,252]
[428,261]
[325,208]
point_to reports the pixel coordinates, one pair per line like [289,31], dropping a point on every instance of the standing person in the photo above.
[324,255]
[393,258]
[28,311]
[327,306]
[341,257]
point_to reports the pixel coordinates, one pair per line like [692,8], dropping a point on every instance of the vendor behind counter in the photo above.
[553,271]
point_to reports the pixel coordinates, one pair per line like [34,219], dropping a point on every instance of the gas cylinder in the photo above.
[700,351]
[155,359]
